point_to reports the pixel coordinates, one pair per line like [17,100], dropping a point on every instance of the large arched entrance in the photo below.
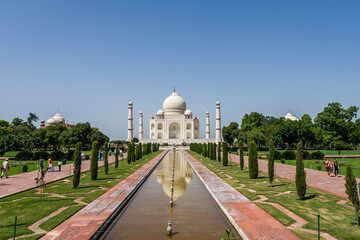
[174,131]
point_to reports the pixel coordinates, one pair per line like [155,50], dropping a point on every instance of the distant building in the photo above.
[291,117]
[57,119]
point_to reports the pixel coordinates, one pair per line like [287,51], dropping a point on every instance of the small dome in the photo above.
[141,112]
[51,122]
[160,112]
[188,112]
[58,117]
[130,102]
[174,104]
[291,117]
[217,103]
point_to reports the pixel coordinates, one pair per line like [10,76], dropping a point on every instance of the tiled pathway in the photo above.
[245,215]
[314,178]
[25,181]
[84,223]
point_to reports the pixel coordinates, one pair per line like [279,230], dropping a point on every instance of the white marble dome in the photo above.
[188,112]
[174,104]
[58,118]
[160,112]
[51,122]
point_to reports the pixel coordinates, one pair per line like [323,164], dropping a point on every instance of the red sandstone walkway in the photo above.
[249,220]
[25,181]
[314,178]
[84,223]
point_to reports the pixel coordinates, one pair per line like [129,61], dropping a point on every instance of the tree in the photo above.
[339,145]
[133,146]
[99,136]
[352,191]
[137,153]
[94,160]
[140,150]
[300,177]
[253,161]
[204,150]
[214,151]
[31,118]
[5,128]
[77,165]
[225,153]
[241,148]
[129,153]
[117,156]
[271,162]
[337,121]
[106,154]
[219,151]
[230,132]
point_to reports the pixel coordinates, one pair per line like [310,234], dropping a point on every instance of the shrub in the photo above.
[317,155]
[41,155]
[253,161]
[306,155]
[318,168]
[24,155]
[64,161]
[352,191]
[25,168]
[282,161]
[69,155]
[219,152]
[225,153]
[77,165]
[277,155]
[57,155]
[271,161]
[87,157]
[94,160]
[288,154]
[300,177]
[241,147]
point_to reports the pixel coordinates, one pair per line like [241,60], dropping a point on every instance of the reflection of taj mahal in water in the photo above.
[175,124]
[183,175]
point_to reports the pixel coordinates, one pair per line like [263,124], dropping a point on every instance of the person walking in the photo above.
[40,164]
[328,167]
[5,168]
[59,165]
[51,166]
[336,168]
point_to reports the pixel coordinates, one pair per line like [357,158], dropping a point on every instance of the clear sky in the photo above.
[87,59]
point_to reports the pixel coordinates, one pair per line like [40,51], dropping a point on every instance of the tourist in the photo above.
[328,167]
[59,165]
[51,167]
[40,164]
[336,168]
[99,156]
[82,155]
[120,153]
[110,152]
[5,168]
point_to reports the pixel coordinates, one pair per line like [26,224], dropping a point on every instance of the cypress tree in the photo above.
[137,154]
[77,165]
[253,161]
[140,150]
[225,153]
[129,153]
[117,156]
[300,177]
[271,161]
[106,154]
[241,148]
[204,150]
[133,146]
[148,148]
[94,160]
[210,150]
[144,150]
[219,152]
[352,191]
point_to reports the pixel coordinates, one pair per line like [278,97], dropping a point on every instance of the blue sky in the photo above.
[87,59]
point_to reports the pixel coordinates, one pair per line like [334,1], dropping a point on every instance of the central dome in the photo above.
[174,104]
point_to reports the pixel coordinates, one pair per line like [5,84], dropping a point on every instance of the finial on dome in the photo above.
[174,88]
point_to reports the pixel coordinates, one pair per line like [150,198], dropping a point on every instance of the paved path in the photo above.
[25,181]
[87,221]
[314,178]
[249,219]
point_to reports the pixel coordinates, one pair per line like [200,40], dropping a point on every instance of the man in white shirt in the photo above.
[5,168]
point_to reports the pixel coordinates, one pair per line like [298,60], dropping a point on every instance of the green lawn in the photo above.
[29,206]
[326,152]
[337,220]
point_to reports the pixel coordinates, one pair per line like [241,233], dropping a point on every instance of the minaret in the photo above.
[141,126]
[218,123]
[207,130]
[130,122]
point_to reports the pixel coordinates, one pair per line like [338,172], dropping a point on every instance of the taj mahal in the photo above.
[175,124]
